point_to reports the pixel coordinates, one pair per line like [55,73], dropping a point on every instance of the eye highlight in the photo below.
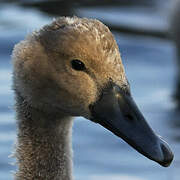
[78,65]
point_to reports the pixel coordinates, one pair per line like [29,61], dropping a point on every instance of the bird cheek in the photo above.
[88,92]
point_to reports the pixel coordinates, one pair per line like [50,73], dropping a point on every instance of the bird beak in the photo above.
[117,112]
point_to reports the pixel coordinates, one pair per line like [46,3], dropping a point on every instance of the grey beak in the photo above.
[117,112]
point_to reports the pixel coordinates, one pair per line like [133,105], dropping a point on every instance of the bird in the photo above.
[72,67]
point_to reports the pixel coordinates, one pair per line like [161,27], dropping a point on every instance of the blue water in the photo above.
[98,154]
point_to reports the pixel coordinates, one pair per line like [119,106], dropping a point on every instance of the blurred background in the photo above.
[144,32]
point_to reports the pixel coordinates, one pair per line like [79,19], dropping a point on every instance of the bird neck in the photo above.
[44,144]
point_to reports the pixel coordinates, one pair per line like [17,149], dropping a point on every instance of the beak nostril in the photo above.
[129,117]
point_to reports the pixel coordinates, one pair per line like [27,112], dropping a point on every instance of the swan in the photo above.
[72,67]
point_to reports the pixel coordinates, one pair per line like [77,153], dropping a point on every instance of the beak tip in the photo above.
[167,155]
[160,153]
[167,162]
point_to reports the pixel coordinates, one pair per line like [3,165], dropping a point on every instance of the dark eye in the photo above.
[78,65]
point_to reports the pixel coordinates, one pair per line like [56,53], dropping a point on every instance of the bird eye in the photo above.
[77,65]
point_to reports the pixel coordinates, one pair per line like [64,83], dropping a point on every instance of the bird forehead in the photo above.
[78,37]
[88,45]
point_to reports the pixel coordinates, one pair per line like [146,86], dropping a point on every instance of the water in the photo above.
[98,154]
